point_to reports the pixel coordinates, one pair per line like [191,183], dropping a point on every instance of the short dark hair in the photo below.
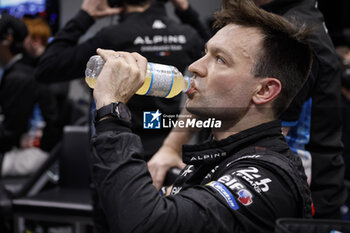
[286,55]
[10,25]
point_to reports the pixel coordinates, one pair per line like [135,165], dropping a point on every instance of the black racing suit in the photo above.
[323,86]
[150,33]
[240,184]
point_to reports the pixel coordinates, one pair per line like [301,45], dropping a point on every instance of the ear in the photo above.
[267,90]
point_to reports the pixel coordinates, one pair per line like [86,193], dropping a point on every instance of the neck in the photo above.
[249,120]
[131,8]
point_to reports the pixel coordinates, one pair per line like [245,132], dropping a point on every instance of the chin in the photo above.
[191,109]
[197,111]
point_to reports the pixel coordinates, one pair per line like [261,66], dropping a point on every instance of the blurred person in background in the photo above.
[28,132]
[314,119]
[39,34]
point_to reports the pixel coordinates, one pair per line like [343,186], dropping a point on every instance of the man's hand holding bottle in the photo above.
[122,75]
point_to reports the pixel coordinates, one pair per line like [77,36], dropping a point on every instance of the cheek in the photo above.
[221,84]
[232,90]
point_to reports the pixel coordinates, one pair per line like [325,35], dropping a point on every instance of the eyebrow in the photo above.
[217,50]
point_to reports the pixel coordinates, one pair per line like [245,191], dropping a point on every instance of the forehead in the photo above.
[237,40]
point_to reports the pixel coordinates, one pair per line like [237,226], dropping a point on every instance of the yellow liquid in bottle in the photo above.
[91,82]
[178,85]
[144,88]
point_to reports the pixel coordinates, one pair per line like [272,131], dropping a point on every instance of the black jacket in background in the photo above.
[19,92]
[144,32]
[240,184]
[323,86]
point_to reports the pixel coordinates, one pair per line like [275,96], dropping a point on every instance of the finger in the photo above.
[159,178]
[154,175]
[130,60]
[106,54]
[134,68]
[168,190]
[114,10]
[153,171]
[108,12]
[141,62]
[109,55]
[138,66]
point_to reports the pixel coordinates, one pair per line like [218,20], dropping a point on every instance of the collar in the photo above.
[213,151]
[156,9]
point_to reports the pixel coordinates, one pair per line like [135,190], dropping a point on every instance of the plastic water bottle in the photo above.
[161,80]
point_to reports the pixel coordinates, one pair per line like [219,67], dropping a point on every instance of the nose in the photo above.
[198,68]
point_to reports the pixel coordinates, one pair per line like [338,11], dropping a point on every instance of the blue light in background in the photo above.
[18,8]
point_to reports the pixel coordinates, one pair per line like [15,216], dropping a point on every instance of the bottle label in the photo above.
[162,80]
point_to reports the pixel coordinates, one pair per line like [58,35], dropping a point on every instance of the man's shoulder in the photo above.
[251,185]
[21,71]
[286,166]
[264,172]
[259,157]
[260,154]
